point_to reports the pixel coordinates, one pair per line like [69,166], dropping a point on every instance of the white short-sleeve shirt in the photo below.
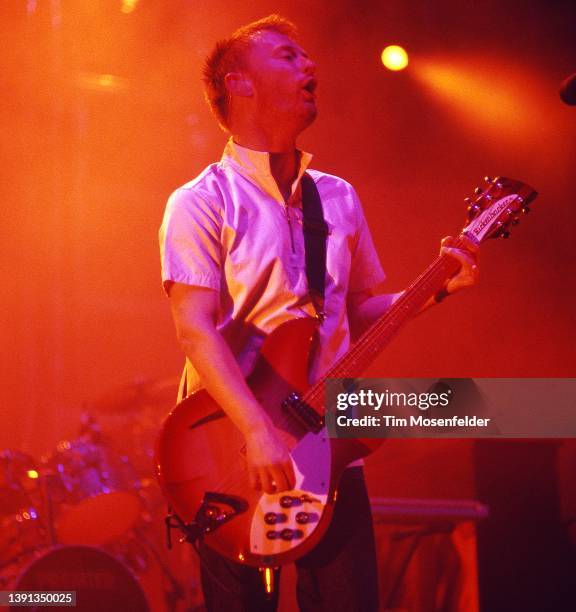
[230,230]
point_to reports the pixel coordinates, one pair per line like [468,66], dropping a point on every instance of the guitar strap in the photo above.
[315,234]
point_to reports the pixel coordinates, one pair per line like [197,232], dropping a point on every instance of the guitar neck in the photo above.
[365,350]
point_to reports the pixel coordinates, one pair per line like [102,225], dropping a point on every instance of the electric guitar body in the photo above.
[200,454]
[201,459]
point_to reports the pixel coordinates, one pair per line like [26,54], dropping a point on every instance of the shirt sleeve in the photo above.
[365,271]
[190,245]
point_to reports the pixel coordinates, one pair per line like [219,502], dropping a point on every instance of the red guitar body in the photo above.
[201,464]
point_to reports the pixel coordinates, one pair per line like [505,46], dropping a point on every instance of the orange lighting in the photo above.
[394,58]
[101,82]
[106,80]
[128,6]
[484,96]
[268,579]
[32,474]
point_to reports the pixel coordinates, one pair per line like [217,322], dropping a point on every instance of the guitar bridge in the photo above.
[304,413]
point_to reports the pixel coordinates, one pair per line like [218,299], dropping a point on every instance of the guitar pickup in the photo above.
[305,414]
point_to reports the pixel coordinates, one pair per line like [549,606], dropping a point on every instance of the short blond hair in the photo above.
[228,55]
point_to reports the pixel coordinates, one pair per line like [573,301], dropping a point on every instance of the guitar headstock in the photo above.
[493,210]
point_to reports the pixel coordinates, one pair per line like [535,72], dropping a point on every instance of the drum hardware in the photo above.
[95,491]
[86,494]
[22,528]
[137,397]
[18,476]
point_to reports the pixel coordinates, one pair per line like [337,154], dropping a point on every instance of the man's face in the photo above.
[283,80]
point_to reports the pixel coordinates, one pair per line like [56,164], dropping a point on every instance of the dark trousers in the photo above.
[340,574]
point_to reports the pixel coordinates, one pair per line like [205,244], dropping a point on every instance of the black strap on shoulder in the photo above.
[315,235]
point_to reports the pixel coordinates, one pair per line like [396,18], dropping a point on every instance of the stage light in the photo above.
[394,58]
[128,6]
[499,104]
[101,82]
[106,80]
[32,474]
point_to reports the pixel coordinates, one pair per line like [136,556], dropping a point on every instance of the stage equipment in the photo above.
[18,480]
[94,492]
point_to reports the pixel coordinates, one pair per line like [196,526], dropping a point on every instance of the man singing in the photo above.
[233,264]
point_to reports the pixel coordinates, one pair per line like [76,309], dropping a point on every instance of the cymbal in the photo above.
[138,396]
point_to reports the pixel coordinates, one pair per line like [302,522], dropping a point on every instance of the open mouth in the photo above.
[310,86]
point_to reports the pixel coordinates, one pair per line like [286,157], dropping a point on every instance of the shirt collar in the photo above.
[255,166]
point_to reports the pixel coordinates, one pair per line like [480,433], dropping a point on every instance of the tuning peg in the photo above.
[473,210]
[488,179]
[525,210]
[505,234]
[497,230]
[516,220]
[478,191]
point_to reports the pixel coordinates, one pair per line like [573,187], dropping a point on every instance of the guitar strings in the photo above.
[375,338]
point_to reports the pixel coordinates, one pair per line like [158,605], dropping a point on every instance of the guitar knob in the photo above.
[286,501]
[302,518]
[270,518]
[272,535]
[287,534]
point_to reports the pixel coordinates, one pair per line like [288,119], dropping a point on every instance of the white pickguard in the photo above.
[311,459]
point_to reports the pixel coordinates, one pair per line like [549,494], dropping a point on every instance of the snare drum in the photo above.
[101,582]
[94,493]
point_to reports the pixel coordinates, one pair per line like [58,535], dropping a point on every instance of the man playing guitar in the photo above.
[233,265]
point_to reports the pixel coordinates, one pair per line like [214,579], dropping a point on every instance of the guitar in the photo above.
[200,454]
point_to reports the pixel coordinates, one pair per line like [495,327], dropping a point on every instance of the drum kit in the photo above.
[88,516]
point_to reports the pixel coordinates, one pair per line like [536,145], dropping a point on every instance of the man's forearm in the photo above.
[222,378]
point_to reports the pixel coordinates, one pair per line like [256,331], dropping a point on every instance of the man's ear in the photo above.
[239,84]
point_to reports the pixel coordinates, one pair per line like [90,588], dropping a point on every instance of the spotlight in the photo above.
[394,58]
[128,6]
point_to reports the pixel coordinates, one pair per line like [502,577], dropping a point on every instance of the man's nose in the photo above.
[309,66]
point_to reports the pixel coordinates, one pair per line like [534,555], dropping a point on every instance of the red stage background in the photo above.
[102,116]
